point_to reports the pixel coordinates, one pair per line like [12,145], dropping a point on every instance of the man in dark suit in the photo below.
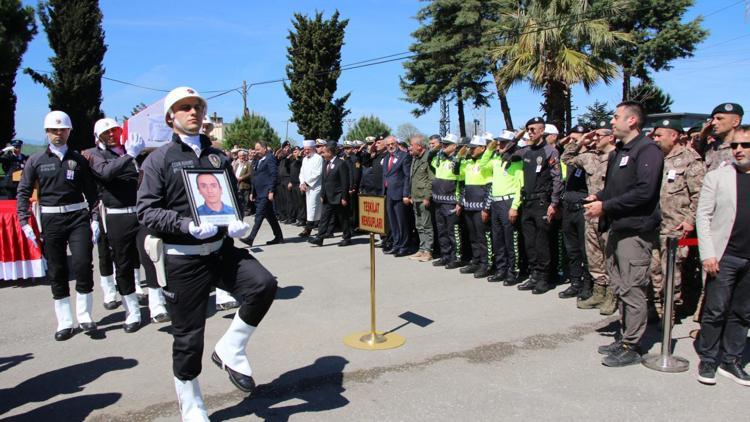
[264,179]
[335,197]
[397,190]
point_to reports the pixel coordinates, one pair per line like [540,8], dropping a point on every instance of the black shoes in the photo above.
[707,373]
[571,291]
[624,356]
[734,372]
[300,223]
[440,262]
[318,241]
[131,328]
[227,305]
[275,241]
[345,242]
[541,288]
[87,327]
[482,272]
[610,348]
[247,241]
[243,382]
[469,269]
[527,285]
[454,264]
[111,305]
[402,253]
[64,334]
[305,233]
[496,278]
[160,318]
[511,280]
[389,251]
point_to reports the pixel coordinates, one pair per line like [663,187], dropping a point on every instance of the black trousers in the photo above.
[61,231]
[354,209]
[122,231]
[282,199]
[104,253]
[574,234]
[726,313]
[446,221]
[328,217]
[479,237]
[536,233]
[299,206]
[505,239]
[190,279]
[398,223]
[264,210]
[148,265]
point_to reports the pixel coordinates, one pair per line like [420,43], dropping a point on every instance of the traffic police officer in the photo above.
[541,195]
[115,169]
[445,195]
[199,256]
[629,208]
[68,221]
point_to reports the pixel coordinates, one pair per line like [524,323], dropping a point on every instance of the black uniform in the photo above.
[283,202]
[163,207]
[298,205]
[355,177]
[542,188]
[574,227]
[10,163]
[103,249]
[117,178]
[372,175]
[62,183]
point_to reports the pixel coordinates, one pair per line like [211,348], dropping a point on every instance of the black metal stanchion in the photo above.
[665,361]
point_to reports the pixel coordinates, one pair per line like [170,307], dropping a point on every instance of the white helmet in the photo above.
[57,120]
[207,121]
[178,94]
[105,124]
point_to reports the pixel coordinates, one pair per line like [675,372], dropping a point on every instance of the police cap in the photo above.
[728,108]
[579,129]
[534,121]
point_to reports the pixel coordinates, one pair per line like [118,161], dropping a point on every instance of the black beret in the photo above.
[673,124]
[16,143]
[604,124]
[535,120]
[579,129]
[728,108]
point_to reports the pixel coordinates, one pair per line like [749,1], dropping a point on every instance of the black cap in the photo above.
[435,136]
[285,143]
[728,108]
[535,120]
[16,143]
[673,124]
[579,129]
[694,129]
[604,124]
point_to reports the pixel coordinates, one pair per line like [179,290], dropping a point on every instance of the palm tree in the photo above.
[555,44]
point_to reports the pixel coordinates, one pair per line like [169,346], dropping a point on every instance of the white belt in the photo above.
[128,210]
[202,249]
[62,209]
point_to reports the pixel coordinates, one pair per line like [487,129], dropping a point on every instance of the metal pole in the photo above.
[665,361]
[372,285]
[245,111]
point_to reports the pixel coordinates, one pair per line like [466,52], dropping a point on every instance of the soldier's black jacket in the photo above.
[355,166]
[163,205]
[61,182]
[295,167]
[116,177]
[541,173]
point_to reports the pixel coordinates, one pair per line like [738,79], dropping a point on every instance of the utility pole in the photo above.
[245,111]
[445,117]
[286,133]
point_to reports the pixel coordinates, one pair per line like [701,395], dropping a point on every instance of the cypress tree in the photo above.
[17,28]
[75,34]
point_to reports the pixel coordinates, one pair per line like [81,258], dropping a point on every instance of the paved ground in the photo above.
[474,351]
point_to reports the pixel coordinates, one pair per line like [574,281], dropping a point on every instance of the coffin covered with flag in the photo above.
[20,258]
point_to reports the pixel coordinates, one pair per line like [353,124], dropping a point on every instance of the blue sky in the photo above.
[216,45]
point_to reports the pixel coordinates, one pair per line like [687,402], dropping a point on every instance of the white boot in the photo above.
[64,314]
[108,288]
[132,309]
[138,289]
[156,306]
[223,296]
[231,346]
[84,302]
[190,400]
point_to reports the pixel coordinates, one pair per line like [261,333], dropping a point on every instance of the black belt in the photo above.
[533,196]
[572,206]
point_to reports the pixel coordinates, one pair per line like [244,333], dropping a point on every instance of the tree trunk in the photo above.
[460,105]
[625,84]
[503,102]
[554,103]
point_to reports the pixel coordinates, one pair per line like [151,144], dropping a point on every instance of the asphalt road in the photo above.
[474,351]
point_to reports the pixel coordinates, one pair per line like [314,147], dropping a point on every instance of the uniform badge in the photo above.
[665,122]
[72,164]
[357,165]
[728,107]
[539,160]
[214,160]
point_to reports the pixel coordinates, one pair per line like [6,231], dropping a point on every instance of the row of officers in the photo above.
[535,208]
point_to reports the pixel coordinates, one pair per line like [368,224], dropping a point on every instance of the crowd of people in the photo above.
[534,209]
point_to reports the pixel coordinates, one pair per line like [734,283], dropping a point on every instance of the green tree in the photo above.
[314,67]
[595,113]
[555,44]
[75,34]
[367,126]
[246,130]
[407,130]
[660,36]
[17,28]
[450,55]
[654,100]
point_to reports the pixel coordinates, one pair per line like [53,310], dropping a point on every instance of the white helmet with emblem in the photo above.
[178,94]
[105,124]
[57,120]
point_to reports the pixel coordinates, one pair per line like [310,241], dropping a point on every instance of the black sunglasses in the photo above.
[745,145]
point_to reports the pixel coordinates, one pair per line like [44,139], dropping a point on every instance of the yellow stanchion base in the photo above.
[367,341]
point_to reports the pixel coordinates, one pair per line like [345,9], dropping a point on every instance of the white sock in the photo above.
[64,313]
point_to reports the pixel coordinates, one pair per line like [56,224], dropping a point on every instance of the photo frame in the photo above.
[212,199]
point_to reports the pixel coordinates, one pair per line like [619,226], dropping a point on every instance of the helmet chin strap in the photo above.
[182,128]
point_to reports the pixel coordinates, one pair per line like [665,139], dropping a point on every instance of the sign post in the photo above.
[372,220]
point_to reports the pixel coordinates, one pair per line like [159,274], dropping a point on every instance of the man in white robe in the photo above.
[310,183]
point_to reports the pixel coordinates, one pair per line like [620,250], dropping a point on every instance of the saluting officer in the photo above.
[541,196]
[446,192]
[12,161]
[725,119]
[199,256]
[115,169]
[68,221]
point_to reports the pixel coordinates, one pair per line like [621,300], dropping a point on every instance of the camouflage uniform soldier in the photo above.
[678,199]
[592,154]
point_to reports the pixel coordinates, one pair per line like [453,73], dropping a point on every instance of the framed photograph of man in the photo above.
[212,199]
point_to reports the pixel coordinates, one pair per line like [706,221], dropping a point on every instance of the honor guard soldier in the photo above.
[541,195]
[446,192]
[197,257]
[355,164]
[591,153]
[725,119]
[68,220]
[116,173]
[629,208]
[680,187]
[12,161]
[475,201]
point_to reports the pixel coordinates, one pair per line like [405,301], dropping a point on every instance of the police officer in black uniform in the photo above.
[541,196]
[68,221]
[12,160]
[199,256]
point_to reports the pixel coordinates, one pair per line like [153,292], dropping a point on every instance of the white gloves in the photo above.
[95,232]
[238,229]
[134,145]
[29,233]
[8,148]
[204,231]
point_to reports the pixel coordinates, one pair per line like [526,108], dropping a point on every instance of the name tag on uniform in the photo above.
[395,160]
[578,172]
[539,168]
[70,174]
[671,175]
[624,161]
